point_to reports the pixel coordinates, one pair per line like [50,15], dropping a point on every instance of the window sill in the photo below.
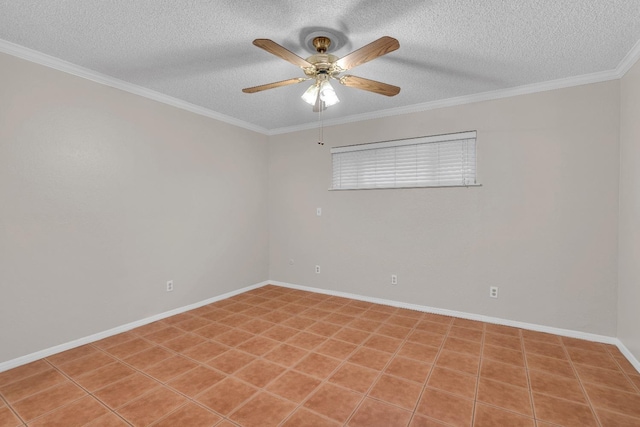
[406,188]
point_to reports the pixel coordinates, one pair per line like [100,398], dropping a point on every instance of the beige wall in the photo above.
[104,196]
[629,276]
[543,226]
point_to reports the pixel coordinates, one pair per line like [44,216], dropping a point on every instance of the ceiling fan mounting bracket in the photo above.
[321,44]
[337,39]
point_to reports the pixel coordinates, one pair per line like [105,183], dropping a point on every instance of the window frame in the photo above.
[422,140]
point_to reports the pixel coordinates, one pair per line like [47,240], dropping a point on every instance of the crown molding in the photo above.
[76,70]
[52,62]
[629,60]
[584,79]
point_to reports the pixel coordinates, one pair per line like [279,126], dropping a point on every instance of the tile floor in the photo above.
[281,357]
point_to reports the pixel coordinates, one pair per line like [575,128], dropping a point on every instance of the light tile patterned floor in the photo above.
[281,357]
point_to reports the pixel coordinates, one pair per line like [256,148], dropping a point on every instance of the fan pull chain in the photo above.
[320,128]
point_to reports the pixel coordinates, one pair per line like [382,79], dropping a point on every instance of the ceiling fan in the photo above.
[322,67]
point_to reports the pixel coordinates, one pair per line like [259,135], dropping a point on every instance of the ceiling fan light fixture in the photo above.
[324,66]
[311,95]
[328,94]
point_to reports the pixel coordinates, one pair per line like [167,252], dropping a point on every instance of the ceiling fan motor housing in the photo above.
[322,62]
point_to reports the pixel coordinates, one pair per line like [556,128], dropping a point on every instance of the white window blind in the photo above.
[431,161]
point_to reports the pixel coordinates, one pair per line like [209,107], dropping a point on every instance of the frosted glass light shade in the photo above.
[311,95]
[328,94]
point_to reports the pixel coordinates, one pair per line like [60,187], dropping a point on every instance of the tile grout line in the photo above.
[481,358]
[160,344]
[199,364]
[288,368]
[584,391]
[362,346]
[523,348]
[382,371]
[292,368]
[588,403]
[136,370]
[326,338]
[143,373]
[227,375]
[593,407]
[300,405]
[117,360]
[433,365]
[326,379]
[528,387]
[331,337]
[342,363]
[88,393]
[165,383]
[475,397]
[624,372]
[13,411]
[55,368]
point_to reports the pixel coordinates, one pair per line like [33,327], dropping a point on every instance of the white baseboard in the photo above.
[479,317]
[23,360]
[4,366]
[627,353]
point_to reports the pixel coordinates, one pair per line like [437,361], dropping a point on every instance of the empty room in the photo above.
[292,213]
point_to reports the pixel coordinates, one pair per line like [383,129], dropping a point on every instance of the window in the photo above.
[430,161]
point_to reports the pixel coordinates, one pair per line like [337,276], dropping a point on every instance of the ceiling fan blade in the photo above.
[277,50]
[273,85]
[373,50]
[369,85]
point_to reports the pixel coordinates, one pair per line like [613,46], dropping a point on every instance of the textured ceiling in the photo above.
[201,51]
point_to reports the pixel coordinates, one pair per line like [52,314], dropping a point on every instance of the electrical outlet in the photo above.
[170,286]
[319,211]
[394,279]
[317,269]
[493,292]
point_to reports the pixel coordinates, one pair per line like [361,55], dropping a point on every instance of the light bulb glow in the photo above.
[310,95]
[328,94]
